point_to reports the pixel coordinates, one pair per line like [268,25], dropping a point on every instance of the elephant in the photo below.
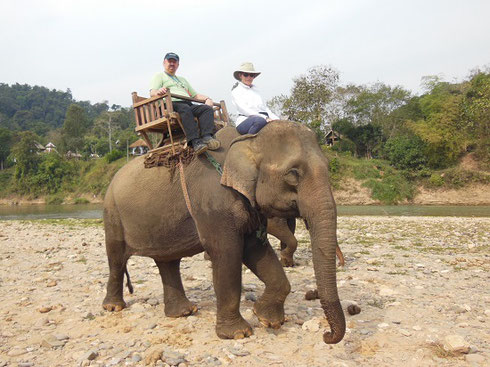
[283,229]
[279,172]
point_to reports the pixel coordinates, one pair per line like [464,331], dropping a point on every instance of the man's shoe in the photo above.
[198,146]
[211,142]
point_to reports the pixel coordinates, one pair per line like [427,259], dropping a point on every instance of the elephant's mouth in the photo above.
[281,212]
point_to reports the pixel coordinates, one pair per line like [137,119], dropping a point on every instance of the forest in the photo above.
[412,137]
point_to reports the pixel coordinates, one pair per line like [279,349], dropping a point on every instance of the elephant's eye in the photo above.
[292,177]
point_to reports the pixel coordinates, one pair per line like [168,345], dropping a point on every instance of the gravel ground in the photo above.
[422,284]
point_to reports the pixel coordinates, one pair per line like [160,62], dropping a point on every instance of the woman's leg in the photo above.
[251,125]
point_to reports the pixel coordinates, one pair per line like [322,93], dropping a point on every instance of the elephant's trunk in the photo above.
[318,208]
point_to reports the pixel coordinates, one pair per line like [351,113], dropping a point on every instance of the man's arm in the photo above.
[205,99]
[158,92]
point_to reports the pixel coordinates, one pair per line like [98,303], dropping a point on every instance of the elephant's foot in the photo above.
[113,304]
[270,314]
[287,260]
[234,330]
[180,309]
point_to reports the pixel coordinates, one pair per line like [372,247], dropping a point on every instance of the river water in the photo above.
[94,211]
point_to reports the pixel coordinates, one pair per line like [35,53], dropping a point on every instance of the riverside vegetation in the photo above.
[391,142]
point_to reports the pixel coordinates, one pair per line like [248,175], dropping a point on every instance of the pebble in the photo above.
[153,301]
[312,325]
[405,332]
[89,355]
[249,296]
[456,344]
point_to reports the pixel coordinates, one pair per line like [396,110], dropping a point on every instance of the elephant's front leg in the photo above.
[176,302]
[261,259]
[227,279]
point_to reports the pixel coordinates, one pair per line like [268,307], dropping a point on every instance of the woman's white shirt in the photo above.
[248,102]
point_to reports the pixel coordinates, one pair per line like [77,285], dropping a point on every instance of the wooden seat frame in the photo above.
[156,115]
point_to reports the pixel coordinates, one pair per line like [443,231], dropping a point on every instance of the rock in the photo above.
[238,352]
[311,325]
[50,341]
[153,355]
[52,283]
[89,356]
[153,301]
[45,309]
[173,358]
[456,344]
[61,336]
[136,358]
[405,332]
[16,352]
[249,296]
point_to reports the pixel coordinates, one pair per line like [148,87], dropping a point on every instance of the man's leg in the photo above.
[205,114]
[190,126]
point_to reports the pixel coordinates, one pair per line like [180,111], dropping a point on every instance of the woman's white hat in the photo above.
[246,67]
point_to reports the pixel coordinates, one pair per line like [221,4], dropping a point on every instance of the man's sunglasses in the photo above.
[246,75]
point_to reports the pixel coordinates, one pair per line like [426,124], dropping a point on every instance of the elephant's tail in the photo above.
[130,286]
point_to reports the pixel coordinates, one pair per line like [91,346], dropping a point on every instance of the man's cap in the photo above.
[171,55]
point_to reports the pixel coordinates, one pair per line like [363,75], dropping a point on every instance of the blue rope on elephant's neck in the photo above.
[261,233]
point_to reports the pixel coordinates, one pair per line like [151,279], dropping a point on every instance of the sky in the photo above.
[103,50]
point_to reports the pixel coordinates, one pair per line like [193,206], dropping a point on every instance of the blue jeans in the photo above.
[251,125]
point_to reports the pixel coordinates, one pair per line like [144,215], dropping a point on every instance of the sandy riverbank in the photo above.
[419,281]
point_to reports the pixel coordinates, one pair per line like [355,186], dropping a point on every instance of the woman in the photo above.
[253,114]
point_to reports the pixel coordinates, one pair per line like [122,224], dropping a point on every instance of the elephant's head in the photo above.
[283,172]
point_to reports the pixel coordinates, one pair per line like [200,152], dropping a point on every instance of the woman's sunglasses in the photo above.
[246,75]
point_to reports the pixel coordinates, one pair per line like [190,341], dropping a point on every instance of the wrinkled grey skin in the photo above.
[281,172]
[283,229]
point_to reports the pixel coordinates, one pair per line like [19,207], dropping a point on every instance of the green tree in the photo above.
[442,127]
[375,105]
[25,155]
[310,98]
[476,113]
[5,145]
[406,152]
[75,126]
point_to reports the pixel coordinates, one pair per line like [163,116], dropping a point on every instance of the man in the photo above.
[169,82]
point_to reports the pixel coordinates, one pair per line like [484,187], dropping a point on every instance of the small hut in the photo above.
[50,147]
[139,147]
[332,137]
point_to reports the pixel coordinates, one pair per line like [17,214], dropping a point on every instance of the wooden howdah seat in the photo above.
[156,115]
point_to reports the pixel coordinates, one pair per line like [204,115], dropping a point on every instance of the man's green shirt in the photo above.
[176,85]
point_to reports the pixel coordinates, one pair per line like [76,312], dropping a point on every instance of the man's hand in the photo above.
[162,91]
[209,102]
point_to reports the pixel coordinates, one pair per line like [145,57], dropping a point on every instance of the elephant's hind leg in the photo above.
[261,259]
[114,300]
[176,302]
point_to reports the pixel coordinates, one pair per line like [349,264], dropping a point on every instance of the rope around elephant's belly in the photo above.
[184,188]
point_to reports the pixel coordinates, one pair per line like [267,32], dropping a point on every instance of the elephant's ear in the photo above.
[241,168]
